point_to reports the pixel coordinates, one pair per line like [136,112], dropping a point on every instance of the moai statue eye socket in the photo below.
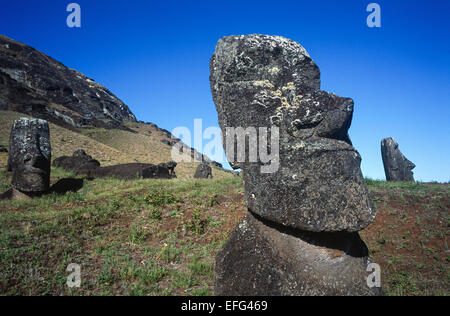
[29,155]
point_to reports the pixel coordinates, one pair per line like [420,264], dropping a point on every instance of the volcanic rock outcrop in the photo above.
[396,166]
[300,236]
[29,156]
[36,84]
[203,172]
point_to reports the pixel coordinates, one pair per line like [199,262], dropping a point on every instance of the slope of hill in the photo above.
[156,237]
[36,84]
[140,143]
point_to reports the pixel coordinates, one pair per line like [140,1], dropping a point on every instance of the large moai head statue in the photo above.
[261,81]
[29,155]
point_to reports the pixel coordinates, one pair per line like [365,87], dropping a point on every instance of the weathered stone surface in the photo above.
[266,259]
[79,162]
[130,171]
[203,172]
[269,81]
[170,166]
[396,166]
[265,59]
[29,155]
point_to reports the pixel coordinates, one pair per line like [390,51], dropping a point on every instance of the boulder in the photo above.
[29,156]
[271,82]
[3,149]
[203,172]
[79,153]
[396,166]
[158,172]
[262,258]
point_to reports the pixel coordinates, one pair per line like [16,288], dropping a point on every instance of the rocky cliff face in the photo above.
[34,83]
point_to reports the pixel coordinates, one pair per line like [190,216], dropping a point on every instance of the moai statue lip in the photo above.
[29,156]
[270,81]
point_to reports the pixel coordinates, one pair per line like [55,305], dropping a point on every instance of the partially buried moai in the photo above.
[29,156]
[300,235]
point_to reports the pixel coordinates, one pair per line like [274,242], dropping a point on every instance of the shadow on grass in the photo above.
[66,185]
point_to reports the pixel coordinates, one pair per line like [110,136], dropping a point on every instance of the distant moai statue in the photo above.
[396,166]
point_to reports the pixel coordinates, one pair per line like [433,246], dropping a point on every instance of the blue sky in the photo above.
[154,55]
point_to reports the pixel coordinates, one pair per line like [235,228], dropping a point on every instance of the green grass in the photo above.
[159,237]
[409,237]
[129,237]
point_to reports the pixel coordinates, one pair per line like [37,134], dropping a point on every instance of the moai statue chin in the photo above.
[30,155]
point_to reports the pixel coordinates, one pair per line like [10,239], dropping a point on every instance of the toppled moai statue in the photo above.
[80,162]
[313,193]
[203,172]
[161,171]
[131,171]
[29,156]
[396,166]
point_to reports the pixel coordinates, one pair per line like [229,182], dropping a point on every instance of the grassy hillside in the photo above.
[130,237]
[409,238]
[110,146]
[155,237]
